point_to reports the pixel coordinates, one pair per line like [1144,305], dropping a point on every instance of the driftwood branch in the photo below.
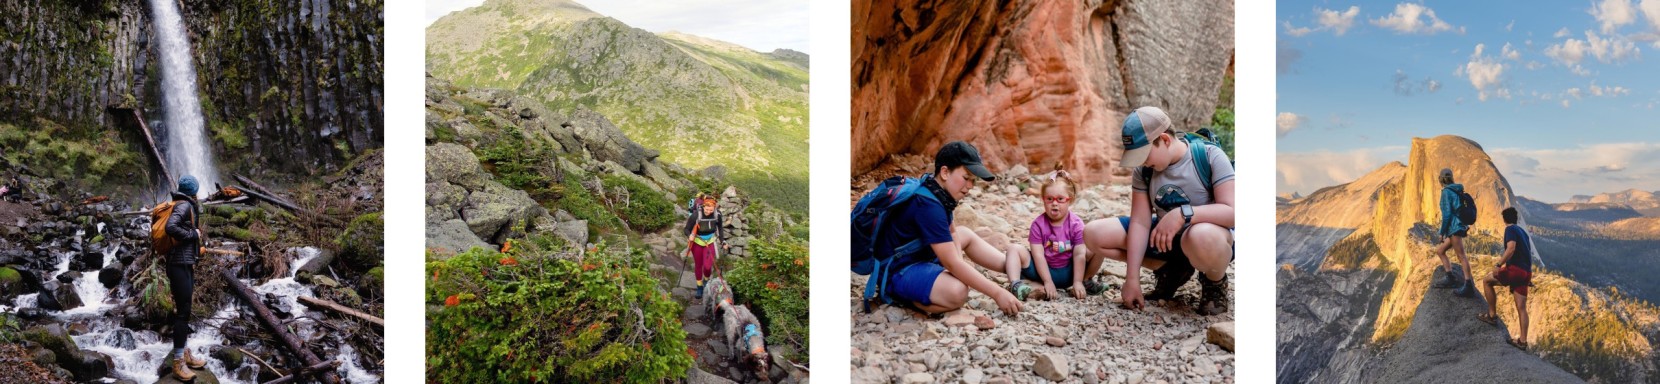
[262,362]
[315,302]
[307,371]
[271,323]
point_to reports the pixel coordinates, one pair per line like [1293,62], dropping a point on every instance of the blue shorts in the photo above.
[1062,276]
[915,283]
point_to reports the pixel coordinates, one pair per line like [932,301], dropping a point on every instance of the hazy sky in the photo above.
[1561,95]
[761,25]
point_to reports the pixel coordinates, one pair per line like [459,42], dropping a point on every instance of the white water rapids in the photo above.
[141,362]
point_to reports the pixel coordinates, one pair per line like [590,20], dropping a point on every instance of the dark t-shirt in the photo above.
[922,218]
[1523,258]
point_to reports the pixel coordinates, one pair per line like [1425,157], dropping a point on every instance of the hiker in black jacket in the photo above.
[182,227]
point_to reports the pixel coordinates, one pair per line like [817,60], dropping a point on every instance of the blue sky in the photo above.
[761,25]
[1561,95]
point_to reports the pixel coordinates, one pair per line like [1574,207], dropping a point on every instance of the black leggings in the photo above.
[181,278]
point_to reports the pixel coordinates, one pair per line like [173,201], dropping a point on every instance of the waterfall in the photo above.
[188,151]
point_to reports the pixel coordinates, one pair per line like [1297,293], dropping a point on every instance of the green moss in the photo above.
[361,243]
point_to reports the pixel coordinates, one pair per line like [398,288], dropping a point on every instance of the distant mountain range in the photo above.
[702,102]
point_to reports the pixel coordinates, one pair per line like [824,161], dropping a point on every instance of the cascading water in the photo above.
[188,152]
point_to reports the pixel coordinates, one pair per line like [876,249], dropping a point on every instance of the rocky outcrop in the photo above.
[296,85]
[1030,82]
[459,189]
[607,143]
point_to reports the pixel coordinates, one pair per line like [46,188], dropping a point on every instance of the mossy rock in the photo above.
[374,282]
[361,244]
[11,283]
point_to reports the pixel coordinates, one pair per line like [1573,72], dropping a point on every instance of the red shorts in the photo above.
[1514,277]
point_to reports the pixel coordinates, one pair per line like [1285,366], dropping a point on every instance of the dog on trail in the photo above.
[744,336]
[716,292]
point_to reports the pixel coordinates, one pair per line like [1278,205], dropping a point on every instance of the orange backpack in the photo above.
[159,240]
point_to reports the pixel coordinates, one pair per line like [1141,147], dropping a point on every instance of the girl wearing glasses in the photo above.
[1060,236]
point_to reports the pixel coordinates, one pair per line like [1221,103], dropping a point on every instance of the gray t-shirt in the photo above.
[1179,184]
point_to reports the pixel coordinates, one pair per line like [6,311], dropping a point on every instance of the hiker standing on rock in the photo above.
[1188,182]
[1514,270]
[1457,213]
[181,245]
[703,230]
[1060,235]
[927,269]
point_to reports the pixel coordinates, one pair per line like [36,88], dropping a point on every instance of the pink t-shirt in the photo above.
[1057,242]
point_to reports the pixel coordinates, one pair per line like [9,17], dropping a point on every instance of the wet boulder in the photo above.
[111,276]
[11,284]
[67,297]
[121,338]
[82,365]
[315,266]
[361,245]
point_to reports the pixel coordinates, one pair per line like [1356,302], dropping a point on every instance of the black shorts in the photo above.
[1175,253]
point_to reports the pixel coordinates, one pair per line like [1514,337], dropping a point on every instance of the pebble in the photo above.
[984,322]
[1055,341]
[917,378]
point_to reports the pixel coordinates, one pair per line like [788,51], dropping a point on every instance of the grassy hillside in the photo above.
[701,102]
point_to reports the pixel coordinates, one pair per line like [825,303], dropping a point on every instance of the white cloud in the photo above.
[1613,14]
[1287,122]
[1553,175]
[1405,86]
[1509,53]
[1511,26]
[1574,92]
[1485,74]
[1565,103]
[1307,171]
[1327,20]
[1611,49]
[1410,18]
[1339,22]
[1561,33]
[1651,11]
[1297,31]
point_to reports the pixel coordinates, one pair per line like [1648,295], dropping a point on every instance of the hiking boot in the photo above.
[192,361]
[1168,278]
[1447,280]
[1020,290]
[1467,289]
[1213,296]
[699,294]
[1092,287]
[182,371]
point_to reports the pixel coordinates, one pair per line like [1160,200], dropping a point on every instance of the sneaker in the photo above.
[1213,296]
[1092,287]
[192,361]
[1168,278]
[182,371]
[1020,290]
[699,294]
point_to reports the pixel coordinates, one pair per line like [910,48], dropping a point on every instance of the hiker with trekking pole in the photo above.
[703,230]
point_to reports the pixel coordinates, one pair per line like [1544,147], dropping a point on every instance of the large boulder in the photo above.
[606,142]
[83,365]
[361,245]
[1030,82]
[495,211]
[453,236]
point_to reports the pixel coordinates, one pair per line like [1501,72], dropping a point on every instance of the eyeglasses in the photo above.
[1057,199]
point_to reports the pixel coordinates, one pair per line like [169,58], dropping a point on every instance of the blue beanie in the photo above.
[187,185]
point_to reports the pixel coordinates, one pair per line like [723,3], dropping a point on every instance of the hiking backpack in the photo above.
[870,216]
[159,240]
[1201,161]
[1466,208]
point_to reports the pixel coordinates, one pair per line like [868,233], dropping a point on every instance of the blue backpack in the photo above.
[870,218]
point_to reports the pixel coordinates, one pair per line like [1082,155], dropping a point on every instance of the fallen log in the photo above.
[274,325]
[310,301]
[259,188]
[151,140]
[217,251]
[307,371]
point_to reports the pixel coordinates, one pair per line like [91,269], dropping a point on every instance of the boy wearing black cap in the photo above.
[1196,230]
[936,278]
